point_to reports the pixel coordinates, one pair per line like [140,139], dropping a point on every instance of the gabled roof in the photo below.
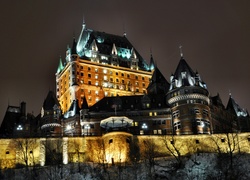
[73,109]
[50,101]
[105,43]
[185,76]
[158,84]
[84,103]
[216,100]
[233,106]
[183,67]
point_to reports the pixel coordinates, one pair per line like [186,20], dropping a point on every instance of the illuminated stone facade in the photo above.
[100,65]
[114,147]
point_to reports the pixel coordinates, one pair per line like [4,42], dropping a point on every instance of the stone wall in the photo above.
[115,147]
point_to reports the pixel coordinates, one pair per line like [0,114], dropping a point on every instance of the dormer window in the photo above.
[184,75]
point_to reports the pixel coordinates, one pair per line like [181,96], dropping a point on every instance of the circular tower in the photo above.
[188,98]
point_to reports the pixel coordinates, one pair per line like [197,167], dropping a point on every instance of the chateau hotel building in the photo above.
[103,85]
[100,65]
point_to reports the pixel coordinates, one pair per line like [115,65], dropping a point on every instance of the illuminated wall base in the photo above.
[117,147]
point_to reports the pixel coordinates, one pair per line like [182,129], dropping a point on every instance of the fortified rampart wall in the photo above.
[114,147]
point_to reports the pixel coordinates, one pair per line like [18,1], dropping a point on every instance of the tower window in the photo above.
[176,114]
[205,112]
[177,125]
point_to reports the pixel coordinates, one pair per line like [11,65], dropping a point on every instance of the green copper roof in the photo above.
[60,66]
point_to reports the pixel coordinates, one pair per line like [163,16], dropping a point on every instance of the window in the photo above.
[89,68]
[177,125]
[205,112]
[89,75]
[196,111]
[89,82]
[176,114]
[110,141]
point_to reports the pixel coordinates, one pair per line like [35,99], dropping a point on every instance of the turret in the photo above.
[188,93]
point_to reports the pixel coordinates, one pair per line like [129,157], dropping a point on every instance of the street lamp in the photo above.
[144,127]
[19,127]
[87,127]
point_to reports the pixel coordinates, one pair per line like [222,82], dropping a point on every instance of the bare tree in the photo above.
[25,148]
[229,155]
[54,158]
[174,150]
[150,152]
[77,152]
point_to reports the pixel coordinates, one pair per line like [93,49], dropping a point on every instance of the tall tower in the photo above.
[100,65]
[188,98]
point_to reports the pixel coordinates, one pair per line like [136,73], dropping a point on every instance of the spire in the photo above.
[73,49]
[60,66]
[181,53]
[82,41]
[152,63]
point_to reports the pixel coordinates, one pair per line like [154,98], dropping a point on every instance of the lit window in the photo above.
[105,71]
[96,70]
[96,92]
[105,78]
[105,93]
[155,113]
[105,84]
[155,131]
[96,76]
[150,113]
[96,83]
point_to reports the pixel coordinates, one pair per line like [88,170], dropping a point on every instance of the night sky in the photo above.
[215,36]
